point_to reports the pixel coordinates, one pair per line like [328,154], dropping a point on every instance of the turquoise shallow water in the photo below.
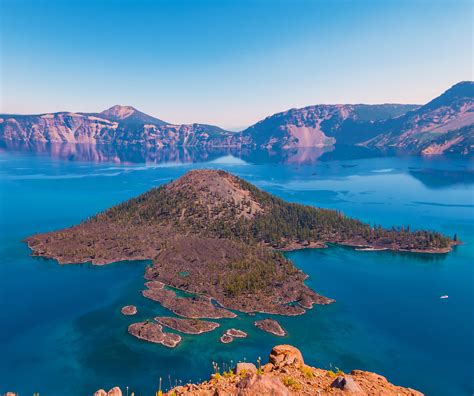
[62,333]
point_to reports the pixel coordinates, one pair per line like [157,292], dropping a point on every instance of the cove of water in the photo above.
[62,332]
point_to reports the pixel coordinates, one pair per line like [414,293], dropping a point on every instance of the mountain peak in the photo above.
[130,114]
[213,188]
[465,83]
[462,91]
[120,112]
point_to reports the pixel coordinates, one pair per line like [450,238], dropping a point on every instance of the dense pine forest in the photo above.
[261,217]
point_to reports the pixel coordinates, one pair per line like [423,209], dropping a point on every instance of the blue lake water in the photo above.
[62,332]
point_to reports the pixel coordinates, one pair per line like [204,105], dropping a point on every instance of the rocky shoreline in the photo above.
[291,246]
[129,310]
[187,326]
[270,326]
[230,334]
[195,308]
[153,332]
[391,248]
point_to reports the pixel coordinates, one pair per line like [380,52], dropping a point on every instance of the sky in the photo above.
[228,63]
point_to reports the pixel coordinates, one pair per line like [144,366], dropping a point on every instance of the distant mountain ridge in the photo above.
[445,125]
[317,126]
[116,125]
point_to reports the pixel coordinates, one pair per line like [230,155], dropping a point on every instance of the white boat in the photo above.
[445,296]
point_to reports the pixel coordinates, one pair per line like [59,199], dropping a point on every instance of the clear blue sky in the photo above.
[229,63]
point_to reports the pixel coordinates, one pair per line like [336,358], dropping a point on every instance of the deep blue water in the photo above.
[62,333]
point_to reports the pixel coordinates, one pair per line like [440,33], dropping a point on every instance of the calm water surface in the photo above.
[62,332]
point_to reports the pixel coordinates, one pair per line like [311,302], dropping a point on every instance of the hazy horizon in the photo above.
[227,63]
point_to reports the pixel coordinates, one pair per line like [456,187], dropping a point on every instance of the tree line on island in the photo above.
[278,224]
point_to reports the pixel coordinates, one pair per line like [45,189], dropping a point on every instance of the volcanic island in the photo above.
[219,239]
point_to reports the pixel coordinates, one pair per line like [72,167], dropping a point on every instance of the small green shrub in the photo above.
[291,383]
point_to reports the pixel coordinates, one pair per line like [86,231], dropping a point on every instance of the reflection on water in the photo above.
[433,172]
[439,178]
[118,154]
[141,154]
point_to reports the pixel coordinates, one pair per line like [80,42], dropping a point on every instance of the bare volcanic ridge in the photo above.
[218,237]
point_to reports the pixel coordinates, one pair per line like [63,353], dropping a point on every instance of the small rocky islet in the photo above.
[129,310]
[230,334]
[270,326]
[219,238]
[187,326]
[153,332]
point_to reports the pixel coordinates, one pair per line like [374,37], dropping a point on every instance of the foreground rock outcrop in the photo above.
[286,374]
[116,391]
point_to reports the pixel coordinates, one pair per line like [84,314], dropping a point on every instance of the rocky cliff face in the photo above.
[315,126]
[444,125]
[58,127]
[118,125]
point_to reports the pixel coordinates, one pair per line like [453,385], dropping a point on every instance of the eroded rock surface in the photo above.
[187,326]
[286,374]
[347,384]
[243,368]
[153,332]
[129,310]
[283,355]
[197,307]
[236,333]
[226,339]
[270,326]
